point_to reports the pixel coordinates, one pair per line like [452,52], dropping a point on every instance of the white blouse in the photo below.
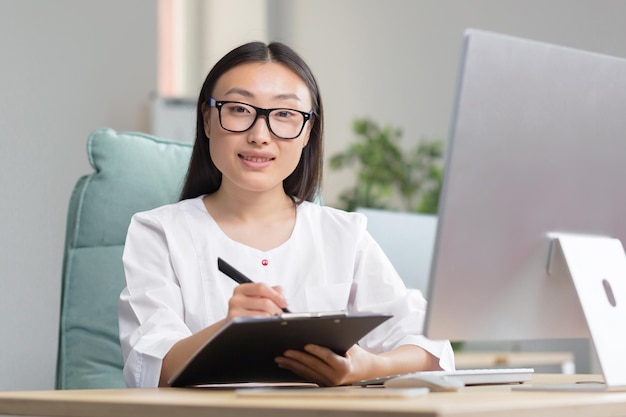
[329,263]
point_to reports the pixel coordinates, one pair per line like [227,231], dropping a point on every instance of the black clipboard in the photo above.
[244,349]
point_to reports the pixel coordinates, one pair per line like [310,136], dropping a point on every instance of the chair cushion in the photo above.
[132,172]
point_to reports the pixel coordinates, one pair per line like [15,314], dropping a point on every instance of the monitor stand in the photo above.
[597,266]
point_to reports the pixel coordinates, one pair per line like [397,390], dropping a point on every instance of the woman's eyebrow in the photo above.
[288,96]
[245,93]
[240,91]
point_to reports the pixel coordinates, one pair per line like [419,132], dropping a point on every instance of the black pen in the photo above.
[235,275]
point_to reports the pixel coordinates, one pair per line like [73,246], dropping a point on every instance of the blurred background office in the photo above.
[70,66]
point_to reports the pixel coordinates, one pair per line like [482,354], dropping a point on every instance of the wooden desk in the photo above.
[483,401]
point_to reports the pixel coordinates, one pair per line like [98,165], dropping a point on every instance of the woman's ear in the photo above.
[307,133]
[206,120]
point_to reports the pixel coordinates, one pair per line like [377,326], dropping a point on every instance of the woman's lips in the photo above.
[257,161]
[256,158]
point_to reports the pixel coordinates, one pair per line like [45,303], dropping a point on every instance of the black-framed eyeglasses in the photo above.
[238,117]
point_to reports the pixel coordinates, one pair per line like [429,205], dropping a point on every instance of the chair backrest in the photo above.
[132,172]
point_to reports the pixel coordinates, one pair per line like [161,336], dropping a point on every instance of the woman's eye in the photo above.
[284,114]
[239,109]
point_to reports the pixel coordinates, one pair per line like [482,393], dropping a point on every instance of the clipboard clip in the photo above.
[338,313]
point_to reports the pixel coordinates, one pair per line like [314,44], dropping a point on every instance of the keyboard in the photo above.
[488,376]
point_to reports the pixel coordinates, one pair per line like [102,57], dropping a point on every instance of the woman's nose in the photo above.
[260,131]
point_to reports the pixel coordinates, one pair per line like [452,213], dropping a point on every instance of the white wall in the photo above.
[66,67]
[397,60]
[69,66]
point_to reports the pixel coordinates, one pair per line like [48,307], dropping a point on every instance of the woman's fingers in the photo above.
[256,299]
[317,363]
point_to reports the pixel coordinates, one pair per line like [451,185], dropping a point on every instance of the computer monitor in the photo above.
[536,159]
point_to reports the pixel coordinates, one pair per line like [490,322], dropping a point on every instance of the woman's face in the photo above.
[256,160]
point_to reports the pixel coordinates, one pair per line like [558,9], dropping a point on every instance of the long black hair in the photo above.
[304,182]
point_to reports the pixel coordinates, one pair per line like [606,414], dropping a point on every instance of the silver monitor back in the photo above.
[537,145]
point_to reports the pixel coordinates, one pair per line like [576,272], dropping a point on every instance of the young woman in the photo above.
[248,198]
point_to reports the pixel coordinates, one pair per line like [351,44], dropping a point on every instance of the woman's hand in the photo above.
[325,367]
[256,299]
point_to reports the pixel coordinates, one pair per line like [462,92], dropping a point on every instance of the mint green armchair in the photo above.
[132,172]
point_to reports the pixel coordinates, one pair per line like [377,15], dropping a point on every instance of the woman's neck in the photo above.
[259,220]
[235,204]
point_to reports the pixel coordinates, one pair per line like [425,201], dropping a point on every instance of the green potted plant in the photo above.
[388,176]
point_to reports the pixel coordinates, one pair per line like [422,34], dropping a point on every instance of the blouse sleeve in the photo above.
[380,288]
[150,307]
